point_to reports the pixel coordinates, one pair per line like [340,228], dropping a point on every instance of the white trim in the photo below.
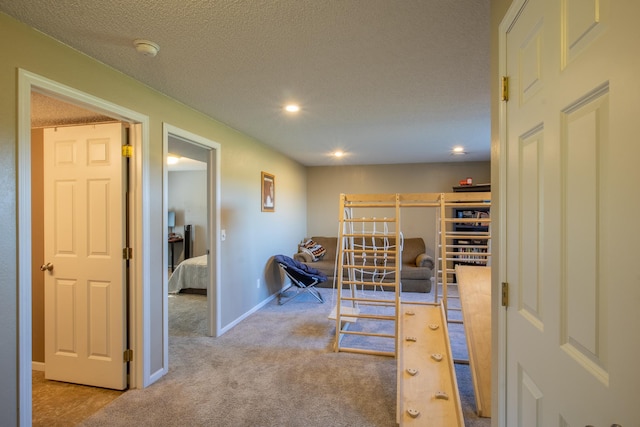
[500,409]
[164,369]
[140,296]
[248,313]
[139,331]
[213,198]
[37,366]
[155,376]
[24,249]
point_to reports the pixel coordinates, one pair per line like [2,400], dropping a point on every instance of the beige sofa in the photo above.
[416,270]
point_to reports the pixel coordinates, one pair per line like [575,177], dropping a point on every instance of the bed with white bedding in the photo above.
[190,274]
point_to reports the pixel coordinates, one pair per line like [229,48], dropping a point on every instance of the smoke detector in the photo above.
[146,47]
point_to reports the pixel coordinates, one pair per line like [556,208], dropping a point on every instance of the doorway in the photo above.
[183,143]
[71,247]
[138,293]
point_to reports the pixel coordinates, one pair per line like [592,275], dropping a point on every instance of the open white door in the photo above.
[571,201]
[85,328]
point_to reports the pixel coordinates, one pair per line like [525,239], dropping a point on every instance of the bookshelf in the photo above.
[472,243]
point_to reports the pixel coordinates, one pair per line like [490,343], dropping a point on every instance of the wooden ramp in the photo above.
[427,386]
[474,287]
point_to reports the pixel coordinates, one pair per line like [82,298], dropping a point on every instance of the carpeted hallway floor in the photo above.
[57,404]
[276,368]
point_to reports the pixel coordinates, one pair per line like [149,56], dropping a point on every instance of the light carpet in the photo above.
[275,368]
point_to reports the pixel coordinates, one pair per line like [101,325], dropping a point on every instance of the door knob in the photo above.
[46,267]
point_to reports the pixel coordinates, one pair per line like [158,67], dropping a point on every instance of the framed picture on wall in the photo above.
[268,182]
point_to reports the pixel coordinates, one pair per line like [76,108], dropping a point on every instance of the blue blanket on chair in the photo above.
[300,269]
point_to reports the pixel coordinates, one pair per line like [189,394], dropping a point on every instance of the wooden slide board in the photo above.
[429,358]
[474,287]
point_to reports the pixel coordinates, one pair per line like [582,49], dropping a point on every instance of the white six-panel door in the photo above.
[84,240]
[572,180]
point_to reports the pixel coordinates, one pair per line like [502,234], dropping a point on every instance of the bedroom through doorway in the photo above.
[191,223]
[187,209]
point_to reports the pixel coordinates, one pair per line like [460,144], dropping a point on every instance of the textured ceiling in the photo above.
[48,112]
[387,81]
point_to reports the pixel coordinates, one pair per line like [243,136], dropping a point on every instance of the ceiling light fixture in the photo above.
[146,47]
[172,160]
[338,153]
[292,108]
[458,150]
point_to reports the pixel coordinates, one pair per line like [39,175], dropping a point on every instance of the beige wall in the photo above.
[9,243]
[187,197]
[243,158]
[37,245]
[325,184]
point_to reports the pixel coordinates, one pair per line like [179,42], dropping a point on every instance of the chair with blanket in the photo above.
[301,276]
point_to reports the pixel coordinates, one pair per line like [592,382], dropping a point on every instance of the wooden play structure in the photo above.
[463,237]
[369,259]
[474,286]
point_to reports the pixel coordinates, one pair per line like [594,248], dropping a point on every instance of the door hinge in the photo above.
[505,89]
[127,356]
[505,294]
[127,150]
[127,253]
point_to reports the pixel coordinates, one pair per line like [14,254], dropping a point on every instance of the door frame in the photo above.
[213,226]
[139,331]
[500,312]
[499,351]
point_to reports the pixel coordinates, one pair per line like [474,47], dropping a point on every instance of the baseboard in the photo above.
[37,366]
[156,376]
[247,314]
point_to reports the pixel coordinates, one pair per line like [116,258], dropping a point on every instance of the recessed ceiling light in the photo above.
[172,160]
[458,150]
[338,153]
[292,108]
